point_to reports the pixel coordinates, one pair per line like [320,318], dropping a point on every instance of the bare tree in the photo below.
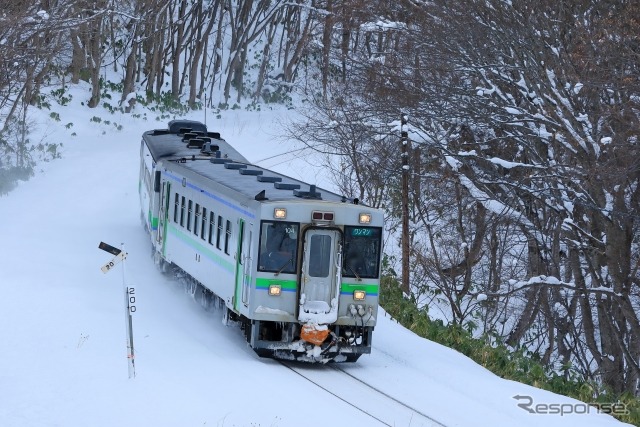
[529,117]
[538,126]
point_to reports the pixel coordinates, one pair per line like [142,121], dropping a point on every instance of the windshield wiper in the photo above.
[283,266]
[354,272]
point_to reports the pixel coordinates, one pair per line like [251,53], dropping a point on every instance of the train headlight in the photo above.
[274,290]
[359,295]
[279,213]
[365,218]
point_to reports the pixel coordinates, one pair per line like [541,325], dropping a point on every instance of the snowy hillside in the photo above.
[62,332]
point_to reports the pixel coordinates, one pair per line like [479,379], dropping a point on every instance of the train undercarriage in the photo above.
[281,340]
[287,341]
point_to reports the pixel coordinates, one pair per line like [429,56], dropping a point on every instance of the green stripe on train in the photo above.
[153,220]
[202,248]
[348,288]
[262,283]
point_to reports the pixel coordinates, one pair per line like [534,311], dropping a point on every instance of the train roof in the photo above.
[189,144]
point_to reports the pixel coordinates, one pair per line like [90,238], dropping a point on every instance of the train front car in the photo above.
[297,267]
[317,280]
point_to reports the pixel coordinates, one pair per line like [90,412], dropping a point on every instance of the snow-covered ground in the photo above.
[62,330]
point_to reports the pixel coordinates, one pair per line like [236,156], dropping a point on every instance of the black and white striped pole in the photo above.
[129,300]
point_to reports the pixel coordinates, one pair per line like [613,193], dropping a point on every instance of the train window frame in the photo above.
[320,245]
[212,227]
[227,238]
[175,207]
[196,220]
[183,205]
[366,269]
[189,211]
[265,249]
[203,225]
[219,235]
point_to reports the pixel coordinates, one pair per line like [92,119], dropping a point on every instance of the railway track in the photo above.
[382,408]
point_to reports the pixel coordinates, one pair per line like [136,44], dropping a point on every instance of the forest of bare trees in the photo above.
[525,166]
[523,121]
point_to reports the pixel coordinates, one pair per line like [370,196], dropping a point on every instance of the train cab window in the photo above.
[182,207]
[320,264]
[219,236]
[196,220]
[361,252]
[212,227]
[227,238]
[278,246]
[203,227]
[189,212]
[176,204]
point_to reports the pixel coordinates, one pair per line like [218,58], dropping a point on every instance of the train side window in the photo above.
[189,215]
[212,227]
[203,227]
[227,238]
[176,203]
[219,236]
[182,207]
[196,220]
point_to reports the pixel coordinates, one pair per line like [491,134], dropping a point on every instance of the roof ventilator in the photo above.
[261,178]
[219,161]
[286,186]
[232,165]
[195,143]
[189,136]
[209,149]
[311,194]
[179,126]
[254,172]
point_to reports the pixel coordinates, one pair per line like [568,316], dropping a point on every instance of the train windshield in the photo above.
[361,252]
[278,246]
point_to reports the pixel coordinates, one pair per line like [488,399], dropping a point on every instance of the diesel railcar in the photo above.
[297,266]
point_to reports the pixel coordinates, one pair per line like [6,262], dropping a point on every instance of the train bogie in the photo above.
[298,267]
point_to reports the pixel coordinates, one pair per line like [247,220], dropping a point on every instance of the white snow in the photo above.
[63,355]
[266,310]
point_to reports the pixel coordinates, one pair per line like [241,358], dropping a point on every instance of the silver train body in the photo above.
[297,266]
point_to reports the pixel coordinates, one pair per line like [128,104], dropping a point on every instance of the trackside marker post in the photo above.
[129,300]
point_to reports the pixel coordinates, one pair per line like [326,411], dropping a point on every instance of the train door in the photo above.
[243,265]
[246,277]
[320,276]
